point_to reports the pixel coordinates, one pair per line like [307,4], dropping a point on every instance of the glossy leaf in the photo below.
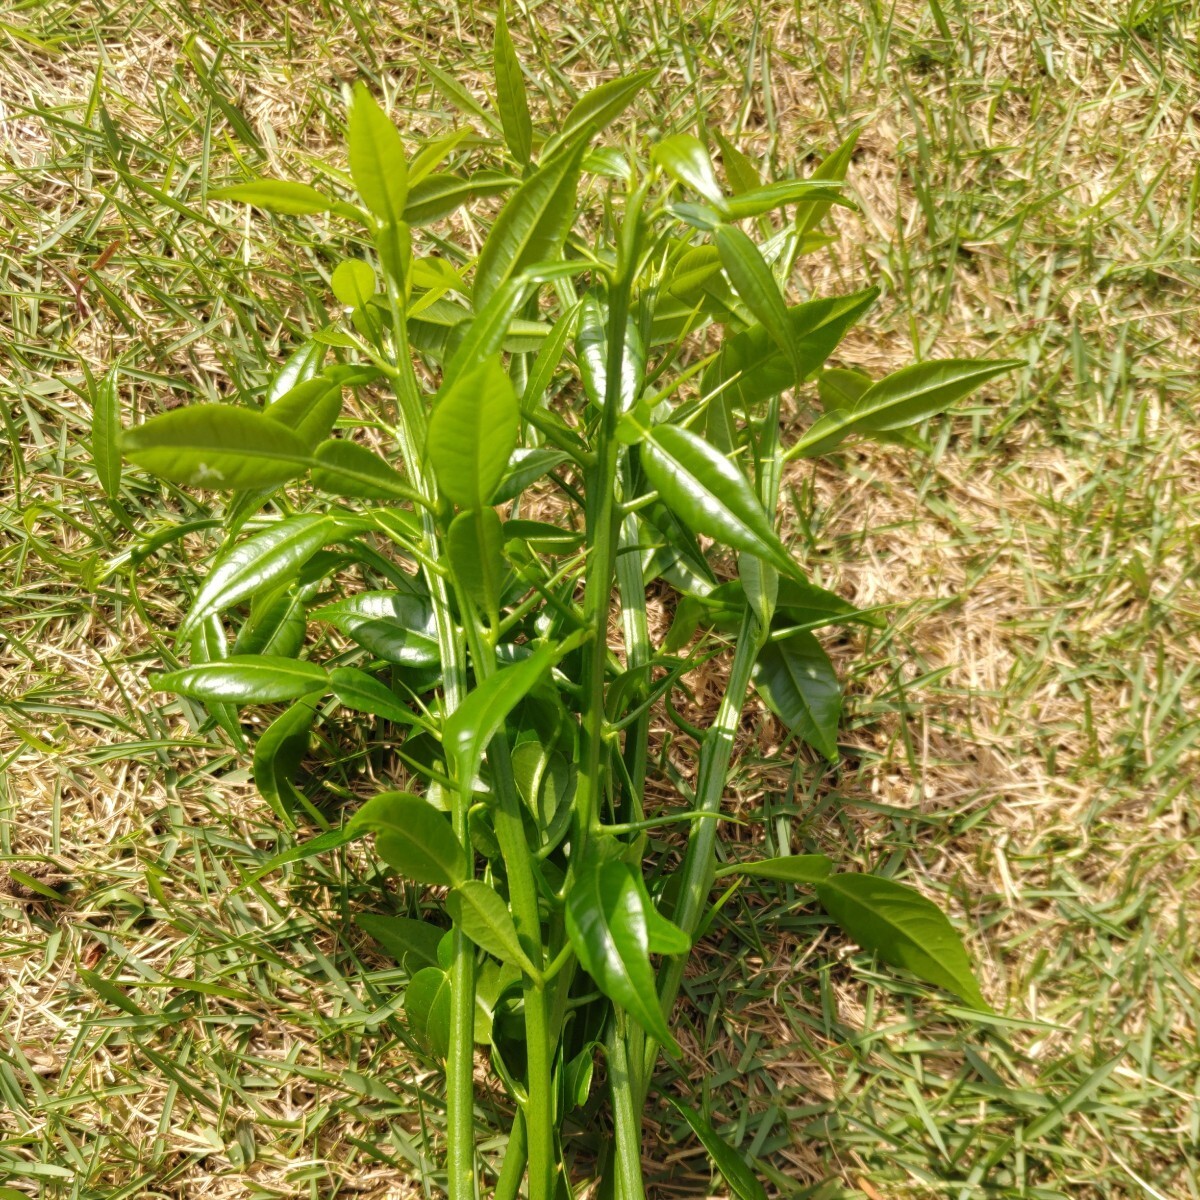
[904,398]
[766,199]
[247,679]
[606,922]
[510,93]
[377,161]
[364,693]
[750,366]
[413,944]
[276,624]
[308,409]
[710,495]
[217,446]
[483,916]
[270,557]
[599,108]
[685,159]
[303,364]
[413,838]
[475,544]
[591,349]
[797,680]
[808,869]
[526,467]
[543,537]
[532,225]
[481,715]
[743,1183]
[208,644]
[472,432]
[903,928]
[754,283]
[277,756]
[440,194]
[427,1007]
[393,625]
[276,195]
[106,435]
[344,468]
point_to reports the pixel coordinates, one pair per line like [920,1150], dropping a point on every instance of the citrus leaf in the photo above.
[510,93]
[276,195]
[904,928]
[792,868]
[413,944]
[344,468]
[685,159]
[364,693]
[475,545]
[413,838]
[754,283]
[393,625]
[797,680]
[308,409]
[277,756]
[599,108]
[247,679]
[217,446]
[440,194]
[377,162]
[483,916]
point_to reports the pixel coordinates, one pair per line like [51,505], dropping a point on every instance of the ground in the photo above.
[1024,737]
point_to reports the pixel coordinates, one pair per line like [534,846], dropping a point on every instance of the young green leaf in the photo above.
[606,922]
[710,495]
[685,159]
[364,693]
[413,838]
[377,162]
[277,756]
[427,1006]
[480,913]
[792,868]
[247,679]
[481,715]
[785,191]
[475,544]
[754,283]
[743,1183]
[106,435]
[344,468]
[591,349]
[472,432]
[396,626]
[903,398]
[276,624]
[903,928]
[217,446]
[208,644]
[276,195]
[267,558]
[526,467]
[532,225]
[353,282]
[599,108]
[440,194]
[302,364]
[810,214]
[741,172]
[413,944]
[308,409]
[510,93]
[797,680]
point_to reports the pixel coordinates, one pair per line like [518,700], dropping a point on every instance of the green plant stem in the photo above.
[627,1108]
[512,1169]
[460,1061]
[523,901]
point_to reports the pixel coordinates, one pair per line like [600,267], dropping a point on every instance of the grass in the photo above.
[1023,740]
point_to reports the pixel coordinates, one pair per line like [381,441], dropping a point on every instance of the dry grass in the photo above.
[1024,735]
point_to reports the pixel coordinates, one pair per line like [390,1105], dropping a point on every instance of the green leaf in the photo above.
[797,680]
[302,364]
[106,435]
[278,755]
[247,679]
[480,913]
[685,159]
[475,545]
[413,944]
[741,172]
[309,409]
[458,95]
[903,928]
[353,282]
[526,467]
[270,557]
[345,468]
[427,1006]
[743,1183]
[542,537]
[903,398]
[841,387]
[810,214]
[532,225]
[276,195]
[710,495]
[792,868]
[599,108]
[482,337]
[755,369]
[276,624]
[364,693]
[510,93]
[208,644]
[413,838]
[377,162]
[217,446]
[481,715]
[606,922]
[440,194]
[754,283]
[784,191]
[472,432]
[591,349]
[396,626]
[549,359]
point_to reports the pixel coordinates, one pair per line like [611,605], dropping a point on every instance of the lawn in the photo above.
[1022,739]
